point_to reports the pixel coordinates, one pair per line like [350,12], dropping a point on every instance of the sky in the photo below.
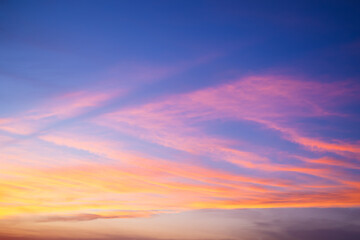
[179,120]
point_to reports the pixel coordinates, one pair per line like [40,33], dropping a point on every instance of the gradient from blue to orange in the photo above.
[179,120]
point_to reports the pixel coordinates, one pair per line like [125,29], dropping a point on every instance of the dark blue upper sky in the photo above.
[76,40]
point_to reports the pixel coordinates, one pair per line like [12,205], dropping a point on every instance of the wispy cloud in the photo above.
[58,108]
[107,166]
[90,216]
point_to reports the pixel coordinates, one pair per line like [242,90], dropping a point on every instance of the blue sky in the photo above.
[150,114]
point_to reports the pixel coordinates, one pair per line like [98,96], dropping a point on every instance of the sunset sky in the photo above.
[179,120]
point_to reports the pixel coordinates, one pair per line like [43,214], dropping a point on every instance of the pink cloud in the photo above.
[272,101]
[176,121]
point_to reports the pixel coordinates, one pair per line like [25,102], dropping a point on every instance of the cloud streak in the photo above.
[161,155]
